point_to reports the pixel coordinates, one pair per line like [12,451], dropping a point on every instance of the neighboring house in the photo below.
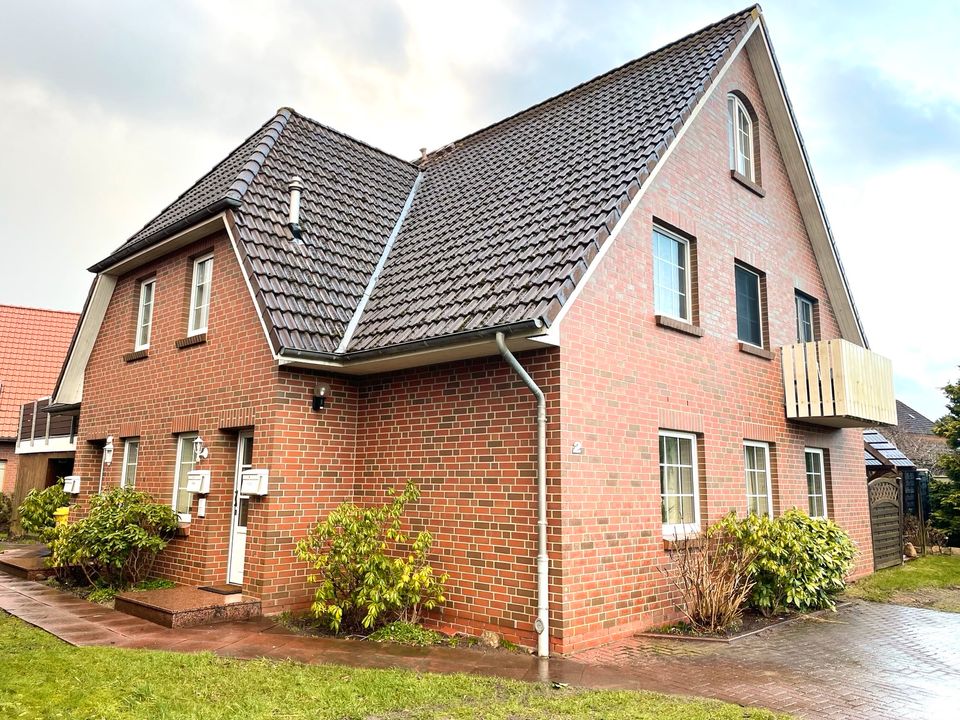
[339,317]
[913,434]
[33,343]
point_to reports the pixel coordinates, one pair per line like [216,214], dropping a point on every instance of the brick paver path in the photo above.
[865,661]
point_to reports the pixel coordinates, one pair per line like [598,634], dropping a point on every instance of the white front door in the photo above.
[241,504]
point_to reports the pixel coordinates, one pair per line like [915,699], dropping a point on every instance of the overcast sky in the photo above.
[109,110]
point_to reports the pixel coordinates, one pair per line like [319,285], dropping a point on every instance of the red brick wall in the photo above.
[180,389]
[623,378]
[8,456]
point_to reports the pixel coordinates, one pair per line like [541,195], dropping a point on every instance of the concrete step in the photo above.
[184,606]
[27,563]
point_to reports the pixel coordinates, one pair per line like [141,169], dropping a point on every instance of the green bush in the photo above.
[117,542]
[6,511]
[799,563]
[368,571]
[36,512]
[408,634]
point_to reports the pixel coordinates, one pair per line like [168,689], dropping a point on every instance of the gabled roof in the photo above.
[33,343]
[912,421]
[501,228]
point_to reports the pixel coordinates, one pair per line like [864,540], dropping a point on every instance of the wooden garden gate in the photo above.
[886,521]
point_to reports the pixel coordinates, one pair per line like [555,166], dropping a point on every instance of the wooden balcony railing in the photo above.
[837,383]
[45,432]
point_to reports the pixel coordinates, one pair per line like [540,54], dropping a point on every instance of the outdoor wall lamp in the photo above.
[320,393]
[200,450]
[108,450]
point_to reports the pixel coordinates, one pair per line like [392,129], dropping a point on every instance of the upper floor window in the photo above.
[756,461]
[200,295]
[145,315]
[816,482]
[806,324]
[679,493]
[741,137]
[671,275]
[131,454]
[749,318]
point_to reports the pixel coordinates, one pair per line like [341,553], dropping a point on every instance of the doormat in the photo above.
[223,589]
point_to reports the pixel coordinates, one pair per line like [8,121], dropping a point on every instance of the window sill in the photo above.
[748,183]
[682,326]
[191,341]
[183,529]
[756,351]
[136,355]
[673,542]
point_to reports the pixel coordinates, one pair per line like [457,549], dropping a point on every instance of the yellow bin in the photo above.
[60,515]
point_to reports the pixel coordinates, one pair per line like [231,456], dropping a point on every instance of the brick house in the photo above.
[33,343]
[642,245]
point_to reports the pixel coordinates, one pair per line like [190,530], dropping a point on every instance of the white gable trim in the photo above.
[795,158]
[70,388]
[553,336]
[228,223]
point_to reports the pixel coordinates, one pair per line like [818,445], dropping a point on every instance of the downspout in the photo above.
[542,624]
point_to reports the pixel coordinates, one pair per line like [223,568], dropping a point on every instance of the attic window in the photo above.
[742,136]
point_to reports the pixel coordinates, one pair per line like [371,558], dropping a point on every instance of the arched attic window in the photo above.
[743,135]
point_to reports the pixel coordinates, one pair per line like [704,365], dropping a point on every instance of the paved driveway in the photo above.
[864,661]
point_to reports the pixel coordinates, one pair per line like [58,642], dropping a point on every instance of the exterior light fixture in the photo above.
[320,393]
[108,450]
[200,450]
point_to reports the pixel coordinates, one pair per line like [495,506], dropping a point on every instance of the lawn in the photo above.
[42,677]
[930,581]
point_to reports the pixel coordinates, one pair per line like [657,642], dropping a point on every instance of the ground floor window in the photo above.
[185,463]
[816,482]
[756,460]
[131,453]
[679,494]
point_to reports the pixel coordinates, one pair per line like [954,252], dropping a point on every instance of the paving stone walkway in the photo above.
[865,661]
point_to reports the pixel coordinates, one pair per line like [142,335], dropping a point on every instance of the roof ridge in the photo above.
[272,131]
[36,309]
[351,138]
[748,10]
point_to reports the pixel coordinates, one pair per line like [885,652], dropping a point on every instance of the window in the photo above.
[185,463]
[740,134]
[756,461]
[679,492]
[145,315]
[805,324]
[131,453]
[671,275]
[816,482]
[200,295]
[749,325]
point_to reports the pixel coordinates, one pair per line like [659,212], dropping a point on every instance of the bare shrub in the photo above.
[711,573]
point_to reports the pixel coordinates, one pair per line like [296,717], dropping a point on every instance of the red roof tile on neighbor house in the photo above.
[33,343]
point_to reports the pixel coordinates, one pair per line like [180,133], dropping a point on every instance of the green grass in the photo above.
[931,572]
[42,677]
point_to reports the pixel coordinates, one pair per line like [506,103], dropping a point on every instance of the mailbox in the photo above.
[198,481]
[71,484]
[254,482]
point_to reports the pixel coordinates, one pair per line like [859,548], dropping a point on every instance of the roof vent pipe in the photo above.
[295,186]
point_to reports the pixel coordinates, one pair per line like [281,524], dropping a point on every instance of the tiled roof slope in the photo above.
[503,225]
[33,344]
[352,197]
[911,421]
[507,220]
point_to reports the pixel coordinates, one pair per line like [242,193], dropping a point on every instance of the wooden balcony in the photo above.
[42,432]
[839,384]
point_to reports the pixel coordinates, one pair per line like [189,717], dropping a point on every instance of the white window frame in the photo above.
[823,480]
[126,461]
[746,474]
[688,281]
[680,530]
[205,314]
[177,480]
[145,319]
[741,266]
[739,149]
[803,300]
